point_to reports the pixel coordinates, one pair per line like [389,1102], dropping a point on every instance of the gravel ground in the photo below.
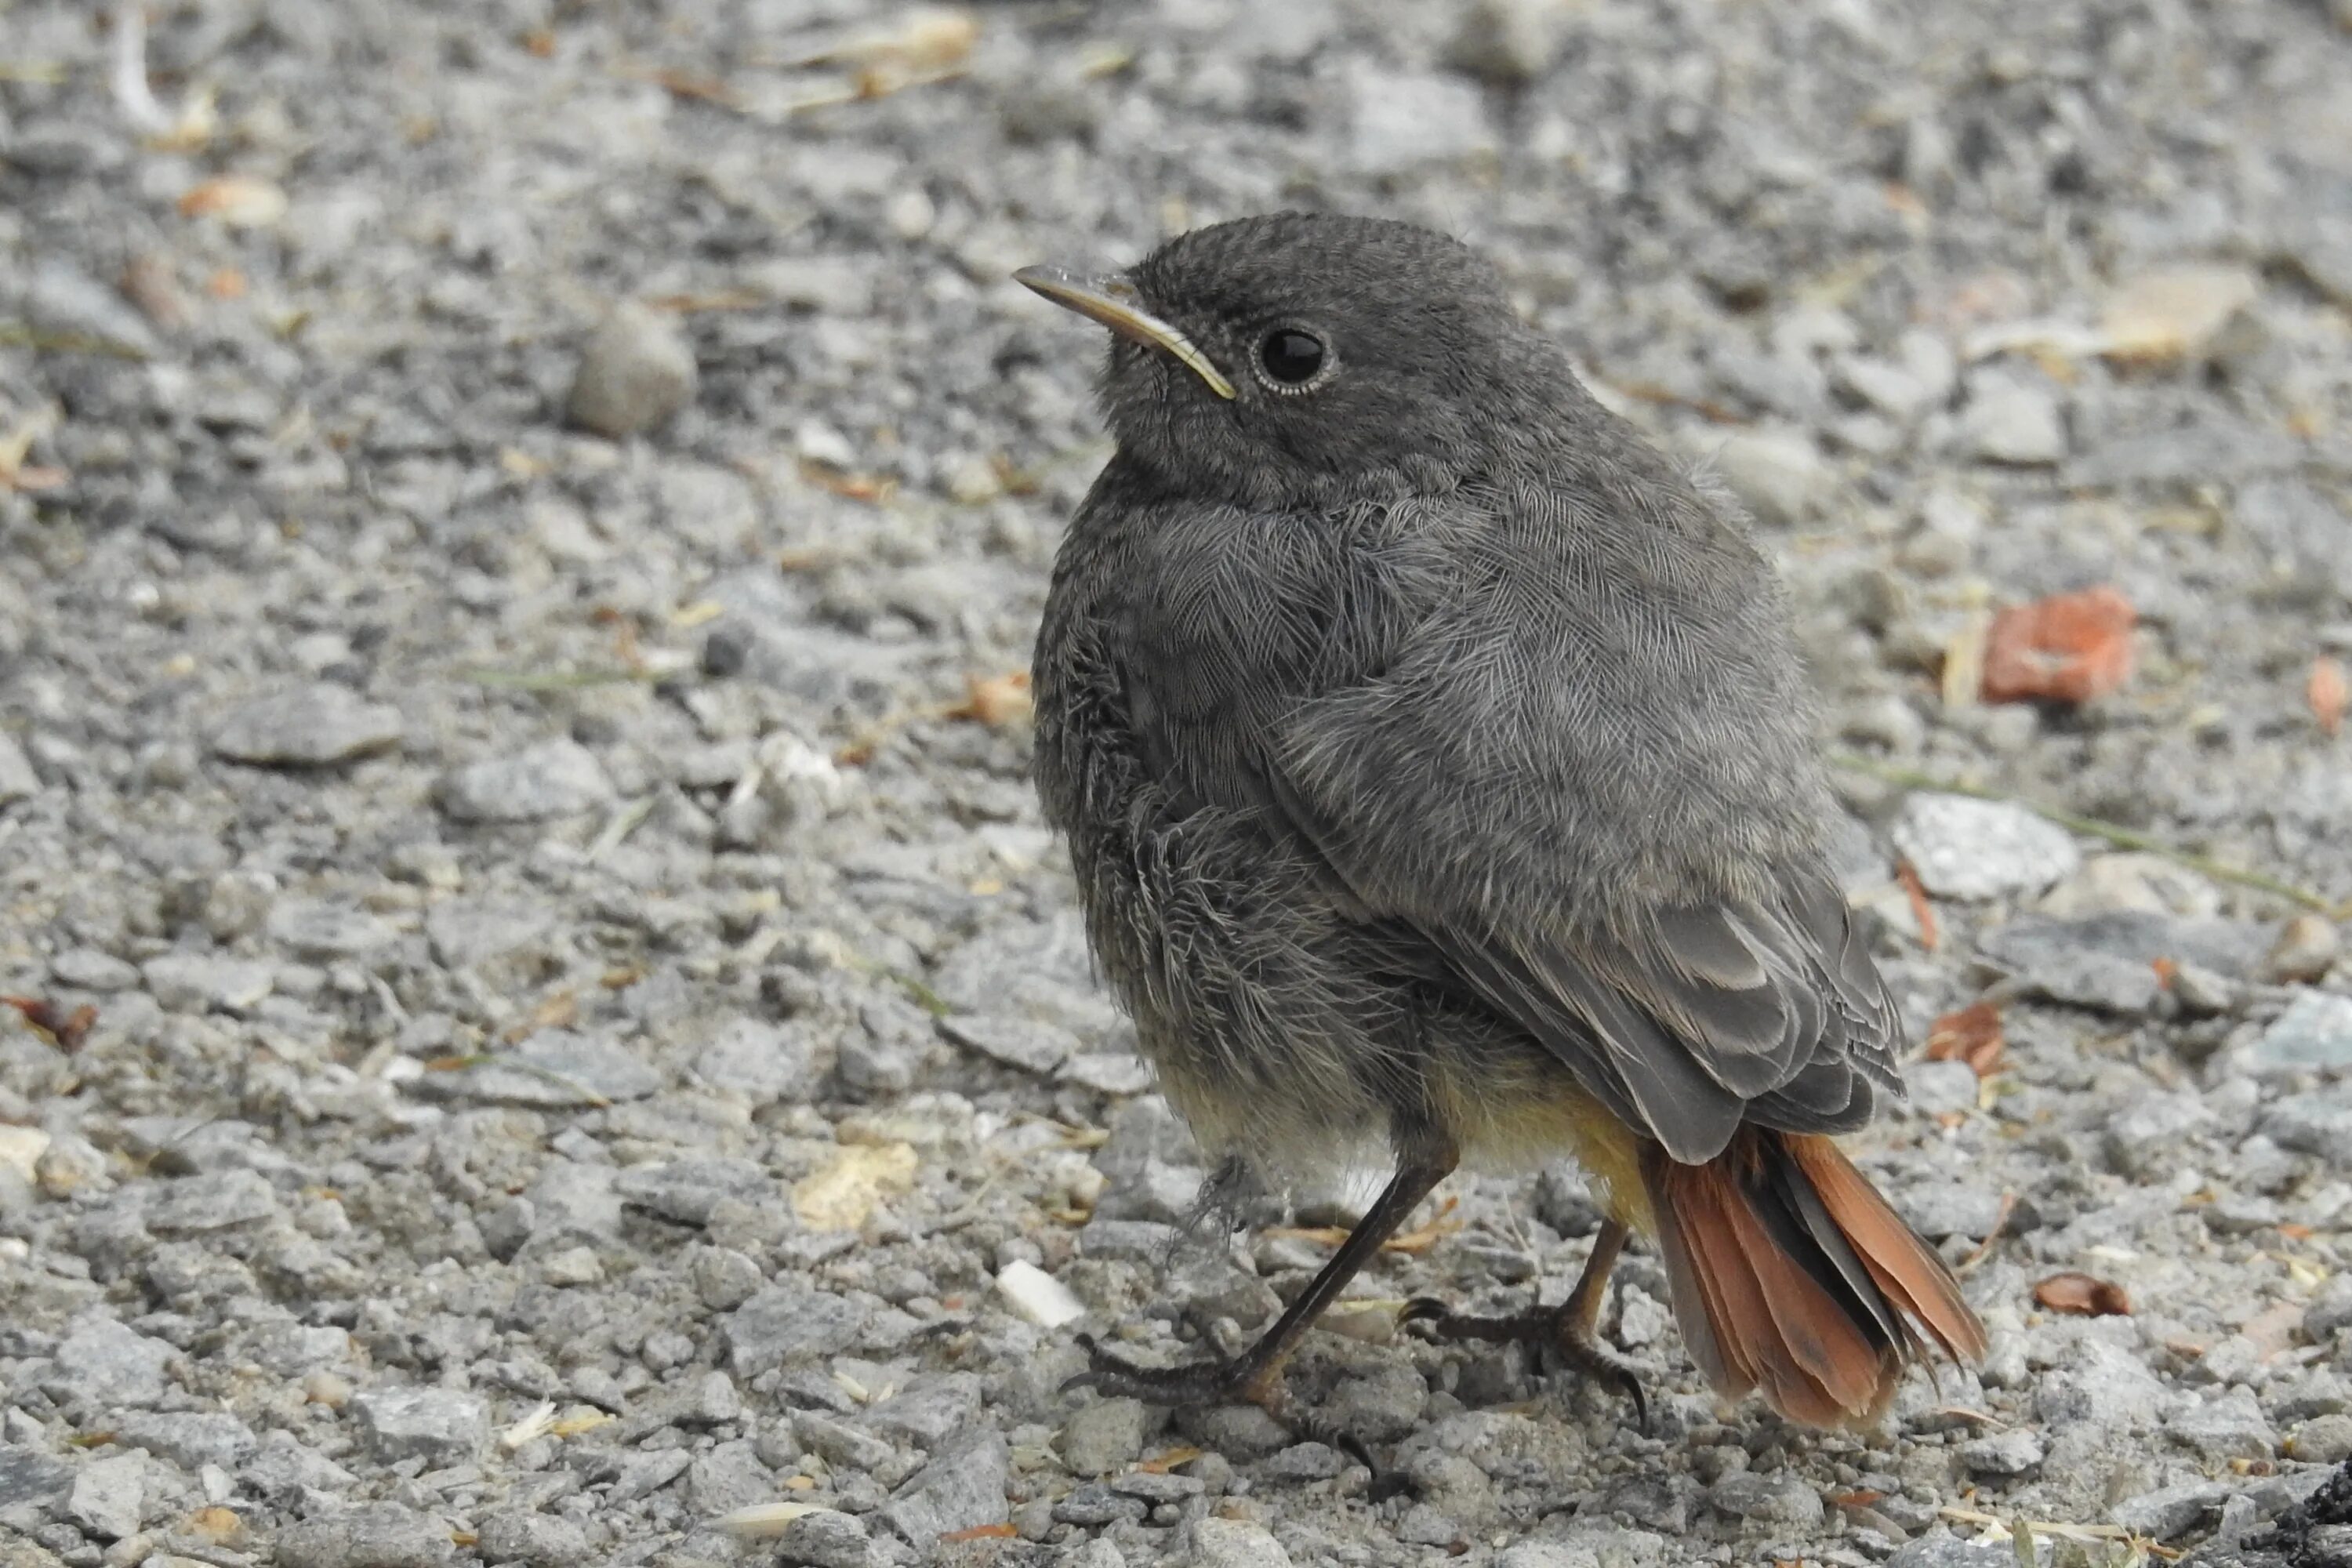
[587,1033]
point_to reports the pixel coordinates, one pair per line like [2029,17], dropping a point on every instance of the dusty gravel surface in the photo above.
[512,524]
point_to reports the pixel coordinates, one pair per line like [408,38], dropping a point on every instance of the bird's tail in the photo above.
[1791,1277]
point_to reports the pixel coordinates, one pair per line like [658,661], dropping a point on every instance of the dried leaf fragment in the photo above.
[841,1194]
[2327,692]
[65,1030]
[240,201]
[1973,1035]
[998,701]
[2083,1295]
[2069,647]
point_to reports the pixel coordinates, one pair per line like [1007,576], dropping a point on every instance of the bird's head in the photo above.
[1298,357]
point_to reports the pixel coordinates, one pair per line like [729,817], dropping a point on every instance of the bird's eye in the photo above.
[1290,356]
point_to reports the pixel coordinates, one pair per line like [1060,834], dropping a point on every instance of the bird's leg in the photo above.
[1570,1330]
[1255,1376]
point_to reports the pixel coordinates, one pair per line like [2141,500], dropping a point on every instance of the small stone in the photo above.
[962,1488]
[367,1535]
[972,480]
[815,441]
[87,969]
[2319,1123]
[29,1477]
[1383,1404]
[553,1069]
[2104,1387]
[2231,1426]
[440,1425]
[2016,1452]
[1426,1526]
[467,933]
[2314,1033]
[2328,1311]
[1406,120]
[1233,1543]
[572,1266]
[1945,1209]
[197,983]
[727,1478]
[539,1539]
[2326,1440]
[105,1363]
[2305,951]
[321,931]
[110,1497]
[762,1062]
[555,779]
[190,1440]
[2012,422]
[17,779]
[312,726]
[636,372]
[690,1191]
[790,1323]
[2146,1138]
[723,1278]
[1967,848]
[1938,1088]
[840,1445]
[644,1474]
[1104,1437]
[2169,1512]
[1777,1498]
[1779,474]
[1509,42]
[1946,1550]
[1028,1043]
[826,1539]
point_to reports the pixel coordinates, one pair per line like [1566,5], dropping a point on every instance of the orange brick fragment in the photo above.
[2069,647]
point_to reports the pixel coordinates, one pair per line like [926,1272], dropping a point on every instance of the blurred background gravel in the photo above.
[545,1014]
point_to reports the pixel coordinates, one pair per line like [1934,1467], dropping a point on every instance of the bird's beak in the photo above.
[1113,301]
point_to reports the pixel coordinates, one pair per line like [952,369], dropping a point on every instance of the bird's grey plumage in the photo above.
[1430,720]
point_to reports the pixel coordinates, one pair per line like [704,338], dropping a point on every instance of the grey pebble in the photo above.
[540,1539]
[313,726]
[555,778]
[1233,1543]
[962,1488]
[1103,1436]
[88,969]
[2229,1426]
[1944,1549]
[1967,848]
[366,1535]
[827,1540]
[2016,1452]
[724,1279]
[1028,1043]
[2314,1033]
[439,1426]
[636,371]
[103,1363]
[2170,1511]
[200,983]
[553,1069]
[17,779]
[110,1497]
[189,1440]
[727,1478]
[1777,1500]
[788,1322]
[2012,421]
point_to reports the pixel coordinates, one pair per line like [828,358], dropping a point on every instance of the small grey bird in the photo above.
[1439,778]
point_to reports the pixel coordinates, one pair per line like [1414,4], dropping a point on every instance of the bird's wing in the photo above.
[1587,782]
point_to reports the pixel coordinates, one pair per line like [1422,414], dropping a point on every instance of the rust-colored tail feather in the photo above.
[1791,1277]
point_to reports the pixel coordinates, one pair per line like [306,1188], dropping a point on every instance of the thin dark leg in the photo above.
[1570,1330]
[1255,1375]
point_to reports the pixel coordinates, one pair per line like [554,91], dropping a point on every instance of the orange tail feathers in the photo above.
[1791,1277]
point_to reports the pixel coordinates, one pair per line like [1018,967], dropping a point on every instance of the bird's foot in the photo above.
[1557,1334]
[1218,1380]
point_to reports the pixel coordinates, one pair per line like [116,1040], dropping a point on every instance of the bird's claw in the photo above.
[1551,1331]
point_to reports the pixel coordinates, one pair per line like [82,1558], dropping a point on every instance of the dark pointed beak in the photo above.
[1113,301]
